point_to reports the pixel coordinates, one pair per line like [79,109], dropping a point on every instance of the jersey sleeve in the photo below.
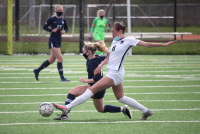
[65,25]
[47,24]
[133,41]
[93,25]
[103,57]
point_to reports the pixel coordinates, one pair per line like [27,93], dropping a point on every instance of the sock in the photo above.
[60,69]
[133,103]
[70,98]
[44,65]
[111,109]
[80,99]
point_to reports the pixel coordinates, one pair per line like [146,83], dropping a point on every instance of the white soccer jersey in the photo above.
[118,51]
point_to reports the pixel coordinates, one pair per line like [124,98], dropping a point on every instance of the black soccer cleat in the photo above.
[64,80]
[126,111]
[36,74]
[62,117]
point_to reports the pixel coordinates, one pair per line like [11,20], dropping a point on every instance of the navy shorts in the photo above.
[99,95]
[54,44]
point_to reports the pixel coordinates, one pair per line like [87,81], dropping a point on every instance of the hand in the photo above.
[83,80]
[90,37]
[170,43]
[62,32]
[54,30]
[97,70]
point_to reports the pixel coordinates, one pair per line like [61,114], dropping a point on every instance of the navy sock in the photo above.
[60,69]
[111,109]
[70,98]
[44,65]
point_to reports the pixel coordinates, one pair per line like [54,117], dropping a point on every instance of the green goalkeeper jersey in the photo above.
[98,28]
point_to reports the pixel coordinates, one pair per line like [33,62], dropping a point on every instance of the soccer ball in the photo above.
[45,109]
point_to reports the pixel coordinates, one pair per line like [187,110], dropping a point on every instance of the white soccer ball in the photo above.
[45,109]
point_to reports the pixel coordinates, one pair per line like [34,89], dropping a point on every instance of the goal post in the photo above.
[129,23]
[9,27]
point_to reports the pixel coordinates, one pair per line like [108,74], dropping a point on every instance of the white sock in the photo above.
[80,99]
[133,103]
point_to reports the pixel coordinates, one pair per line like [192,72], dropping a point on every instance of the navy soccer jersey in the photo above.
[52,23]
[92,65]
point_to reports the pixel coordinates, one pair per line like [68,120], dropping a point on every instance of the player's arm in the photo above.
[149,44]
[92,28]
[91,69]
[98,69]
[47,24]
[86,80]
[65,26]
[107,28]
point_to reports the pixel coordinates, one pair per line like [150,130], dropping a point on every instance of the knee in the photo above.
[60,59]
[120,98]
[51,61]
[100,110]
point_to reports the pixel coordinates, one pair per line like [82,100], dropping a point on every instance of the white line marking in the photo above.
[185,78]
[28,103]
[68,122]
[64,88]
[106,93]
[89,111]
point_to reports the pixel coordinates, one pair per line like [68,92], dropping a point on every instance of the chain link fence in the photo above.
[28,36]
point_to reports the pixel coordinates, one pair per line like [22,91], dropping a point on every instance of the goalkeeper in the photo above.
[98,28]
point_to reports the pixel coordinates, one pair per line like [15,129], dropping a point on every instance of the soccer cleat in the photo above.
[64,80]
[126,111]
[36,74]
[62,108]
[62,117]
[146,115]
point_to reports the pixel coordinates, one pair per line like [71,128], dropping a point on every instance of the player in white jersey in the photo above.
[115,75]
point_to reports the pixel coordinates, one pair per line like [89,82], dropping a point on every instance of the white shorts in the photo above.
[116,76]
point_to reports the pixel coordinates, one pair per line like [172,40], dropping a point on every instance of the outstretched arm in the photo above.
[149,44]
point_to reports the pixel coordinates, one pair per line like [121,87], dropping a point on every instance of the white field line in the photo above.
[106,94]
[33,103]
[89,111]
[79,82]
[187,78]
[50,123]
[77,61]
[30,68]
[53,70]
[79,58]
[64,88]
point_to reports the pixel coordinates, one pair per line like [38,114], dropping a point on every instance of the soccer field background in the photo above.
[167,84]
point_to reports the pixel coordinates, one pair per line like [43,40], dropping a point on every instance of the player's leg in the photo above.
[98,86]
[119,94]
[57,53]
[45,64]
[99,105]
[73,93]
[70,97]
[97,38]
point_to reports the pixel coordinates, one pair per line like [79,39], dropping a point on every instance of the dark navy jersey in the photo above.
[92,65]
[52,23]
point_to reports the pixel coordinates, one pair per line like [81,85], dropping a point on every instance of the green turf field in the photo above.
[167,84]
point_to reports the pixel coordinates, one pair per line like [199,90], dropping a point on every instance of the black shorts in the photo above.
[54,44]
[99,95]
